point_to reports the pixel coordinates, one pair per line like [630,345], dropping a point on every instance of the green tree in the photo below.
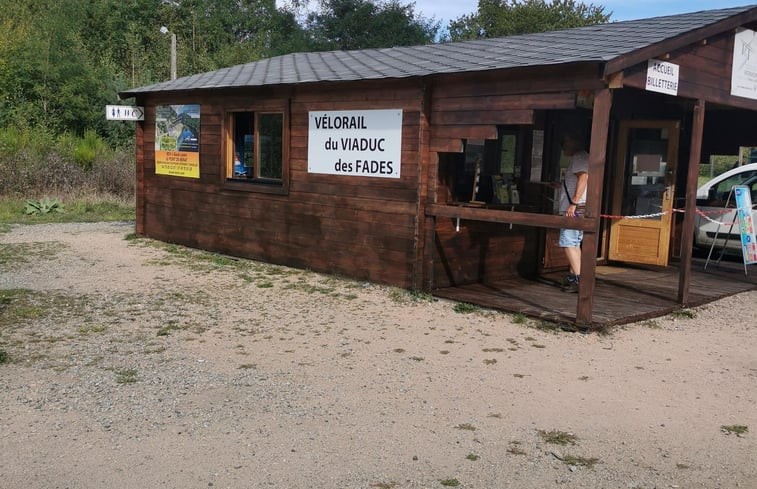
[361,24]
[495,18]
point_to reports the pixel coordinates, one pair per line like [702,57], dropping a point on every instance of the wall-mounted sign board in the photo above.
[744,70]
[662,77]
[124,113]
[364,143]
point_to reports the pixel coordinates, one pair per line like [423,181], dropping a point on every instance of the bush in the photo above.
[88,149]
[32,163]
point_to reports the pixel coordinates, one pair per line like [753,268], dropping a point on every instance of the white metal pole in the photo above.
[173,56]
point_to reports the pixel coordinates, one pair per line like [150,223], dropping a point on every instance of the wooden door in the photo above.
[644,186]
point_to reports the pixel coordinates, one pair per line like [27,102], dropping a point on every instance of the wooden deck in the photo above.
[623,294]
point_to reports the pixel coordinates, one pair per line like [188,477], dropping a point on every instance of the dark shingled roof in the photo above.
[599,43]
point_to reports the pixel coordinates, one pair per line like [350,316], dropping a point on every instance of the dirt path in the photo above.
[136,365]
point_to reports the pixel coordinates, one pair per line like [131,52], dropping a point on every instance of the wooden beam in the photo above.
[433,182]
[615,80]
[597,157]
[140,156]
[440,145]
[510,217]
[519,116]
[483,131]
[687,238]
[419,237]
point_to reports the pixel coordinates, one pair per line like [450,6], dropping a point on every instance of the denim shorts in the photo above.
[570,238]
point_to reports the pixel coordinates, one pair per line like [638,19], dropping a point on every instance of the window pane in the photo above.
[270,132]
[243,155]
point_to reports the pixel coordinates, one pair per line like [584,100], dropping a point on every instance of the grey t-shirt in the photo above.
[579,163]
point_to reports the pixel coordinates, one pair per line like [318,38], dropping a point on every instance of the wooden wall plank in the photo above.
[550,101]
[482,252]
[439,145]
[547,79]
[465,132]
[504,117]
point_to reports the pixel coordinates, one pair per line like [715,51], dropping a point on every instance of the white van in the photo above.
[712,198]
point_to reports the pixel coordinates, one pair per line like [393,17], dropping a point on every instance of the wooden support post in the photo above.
[687,238]
[597,156]
[140,161]
[420,238]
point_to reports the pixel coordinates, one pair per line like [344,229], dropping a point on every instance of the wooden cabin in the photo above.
[428,167]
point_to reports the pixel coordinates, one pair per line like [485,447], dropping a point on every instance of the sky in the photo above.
[446,10]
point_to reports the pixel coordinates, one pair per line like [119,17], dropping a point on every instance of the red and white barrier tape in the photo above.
[660,214]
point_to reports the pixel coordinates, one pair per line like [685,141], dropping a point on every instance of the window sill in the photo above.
[258,186]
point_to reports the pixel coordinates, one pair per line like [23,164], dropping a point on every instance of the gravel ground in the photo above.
[134,364]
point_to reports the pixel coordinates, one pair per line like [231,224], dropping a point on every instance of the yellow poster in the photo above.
[177,140]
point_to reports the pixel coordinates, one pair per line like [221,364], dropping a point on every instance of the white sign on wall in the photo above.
[124,113]
[662,77]
[744,71]
[356,143]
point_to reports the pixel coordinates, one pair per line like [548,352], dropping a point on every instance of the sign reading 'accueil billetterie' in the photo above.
[662,77]
[366,143]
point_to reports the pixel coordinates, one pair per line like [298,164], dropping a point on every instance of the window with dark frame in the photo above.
[255,152]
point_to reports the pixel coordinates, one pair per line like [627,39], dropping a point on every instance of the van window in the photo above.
[719,192]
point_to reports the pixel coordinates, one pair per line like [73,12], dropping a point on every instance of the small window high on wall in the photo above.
[255,148]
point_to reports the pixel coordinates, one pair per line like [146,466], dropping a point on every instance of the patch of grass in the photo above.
[466,426]
[538,345]
[493,350]
[126,376]
[490,361]
[417,359]
[584,378]
[450,482]
[311,289]
[466,308]
[519,318]
[557,437]
[21,305]
[93,329]
[4,357]
[472,456]
[402,296]
[168,329]
[735,429]
[265,285]
[580,461]
[684,314]
[86,209]
[247,366]
[651,324]
[20,253]
[548,326]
